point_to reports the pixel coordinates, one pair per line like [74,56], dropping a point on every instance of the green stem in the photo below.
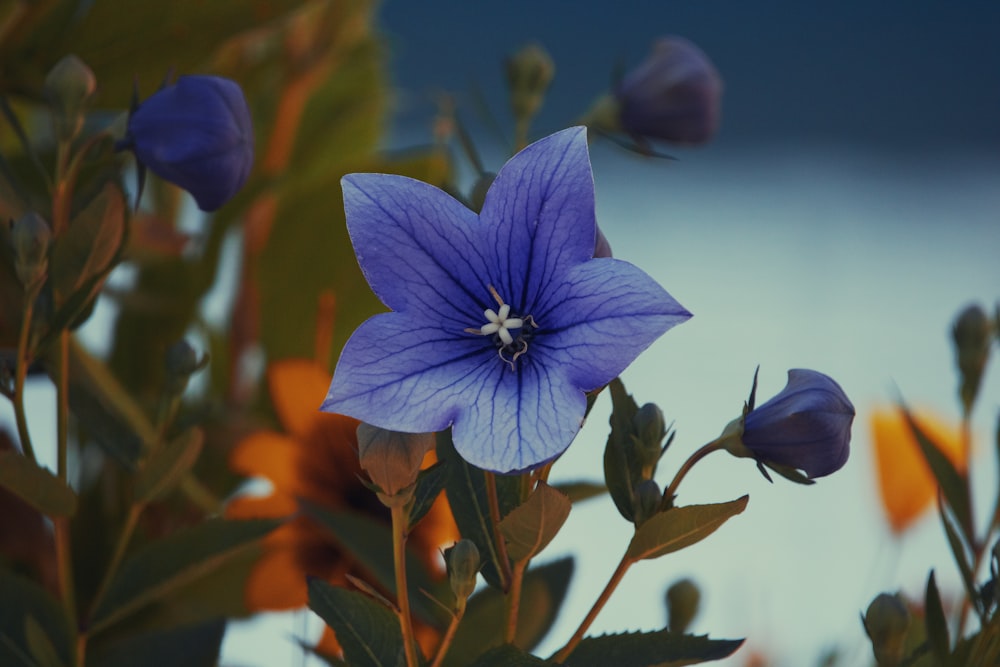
[501,543]
[64,560]
[399,521]
[702,452]
[613,582]
[512,601]
[449,634]
[24,356]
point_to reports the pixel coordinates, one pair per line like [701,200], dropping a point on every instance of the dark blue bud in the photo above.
[197,134]
[807,426]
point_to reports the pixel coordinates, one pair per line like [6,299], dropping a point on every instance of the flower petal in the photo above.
[421,250]
[273,456]
[598,320]
[294,385]
[539,215]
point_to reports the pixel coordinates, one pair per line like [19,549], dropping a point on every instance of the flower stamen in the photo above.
[500,324]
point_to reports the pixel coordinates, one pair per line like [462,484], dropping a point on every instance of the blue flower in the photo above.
[807,426]
[501,321]
[197,134]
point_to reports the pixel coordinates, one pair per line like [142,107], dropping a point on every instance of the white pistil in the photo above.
[500,323]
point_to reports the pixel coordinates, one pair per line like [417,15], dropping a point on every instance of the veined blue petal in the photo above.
[419,248]
[600,317]
[539,216]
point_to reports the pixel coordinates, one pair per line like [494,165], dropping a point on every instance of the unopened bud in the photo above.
[647,500]
[683,598]
[886,623]
[68,87]
[972,334]
[529,72]
[181,363]
[650,429]
[31,236]
[392,460]
[463,566]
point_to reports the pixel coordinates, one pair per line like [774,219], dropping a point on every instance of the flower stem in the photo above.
[399,521]
[494,501]
[64,560]
[449,634]
[613,582]
[21,372]
[512,601]
[702,452]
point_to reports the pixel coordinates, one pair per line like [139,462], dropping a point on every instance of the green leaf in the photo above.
[162,566]
[960,552]
[937,623]
[679,527]
[370,543]
[466,489]
[41,647]
[617,466]
[191,645]
[650,649]
[530,527]
[167,465]
[507,656]
[430,484]
[953,484]
[582,490]
[35,485]
[23,599]
[542,594]
[367,631]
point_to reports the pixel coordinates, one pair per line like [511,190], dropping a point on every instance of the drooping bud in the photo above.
[529,72]
[683,599]
[31,236]
[647,500]
[68,87]
[462,561]
[972,333]
[392,460]
[181,363]
[886,622]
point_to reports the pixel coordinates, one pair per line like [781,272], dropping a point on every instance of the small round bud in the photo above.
[886,623]
[529,72]
[68,87]
[683,598]
[463,566]
[392,459]
[972,334]
[647,500]
[181,363]
[31,236]
[650,428]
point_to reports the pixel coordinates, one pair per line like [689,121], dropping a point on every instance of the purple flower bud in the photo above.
[807,426]
[673,95]
[197,134]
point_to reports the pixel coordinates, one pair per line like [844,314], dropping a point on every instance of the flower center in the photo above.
[510,334]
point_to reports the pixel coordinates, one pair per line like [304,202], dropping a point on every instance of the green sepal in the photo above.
[531,526]
[650,649]
[679,527]
[367,631]
[195,645]
[36,485]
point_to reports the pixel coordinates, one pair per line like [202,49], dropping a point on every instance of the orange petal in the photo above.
[276,582]
[271,455]
[434,532]
[328,644]
[274,506]
[906,484]
[298,387]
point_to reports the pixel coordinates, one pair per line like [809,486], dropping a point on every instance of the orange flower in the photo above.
[314,459]
[906,484]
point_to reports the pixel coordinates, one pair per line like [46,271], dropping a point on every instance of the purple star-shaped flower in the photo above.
[501,321]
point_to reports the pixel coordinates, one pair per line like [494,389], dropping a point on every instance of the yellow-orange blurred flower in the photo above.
[314,459]
[906,484]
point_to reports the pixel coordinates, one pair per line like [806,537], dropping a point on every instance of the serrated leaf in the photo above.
[937,623]
[167,465]
[166,564]
[507,656]
[680,527]
[529,527]
[466,489]
[367,631]
[542,593]
[430,484]
[954,485]
[619,480]
[36,485]
[191,645]
[650,649]
[21,599]
[370,543]
[39,644]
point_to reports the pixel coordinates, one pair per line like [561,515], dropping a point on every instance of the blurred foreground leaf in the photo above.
[167,465]
[430,484]
[161,566]
[650,649]
[191,646]
[40,645]
[680,527]
[35,485]
[937,623]
[507,656]
[21,599]
[531,526]
[367,631]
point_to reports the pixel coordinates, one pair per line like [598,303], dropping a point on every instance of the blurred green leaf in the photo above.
[937,623]
[542,594]
[679,527]
[192,646]
[650,649]
[529,527]
[36,485]
[167,465]
[370,543]
[41,647]
[960,552]
[21,599]
[162,566]
[580,491]
[466,489]
[619,481]
[430,484]
[507,656]
[367,631]
[953,484]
